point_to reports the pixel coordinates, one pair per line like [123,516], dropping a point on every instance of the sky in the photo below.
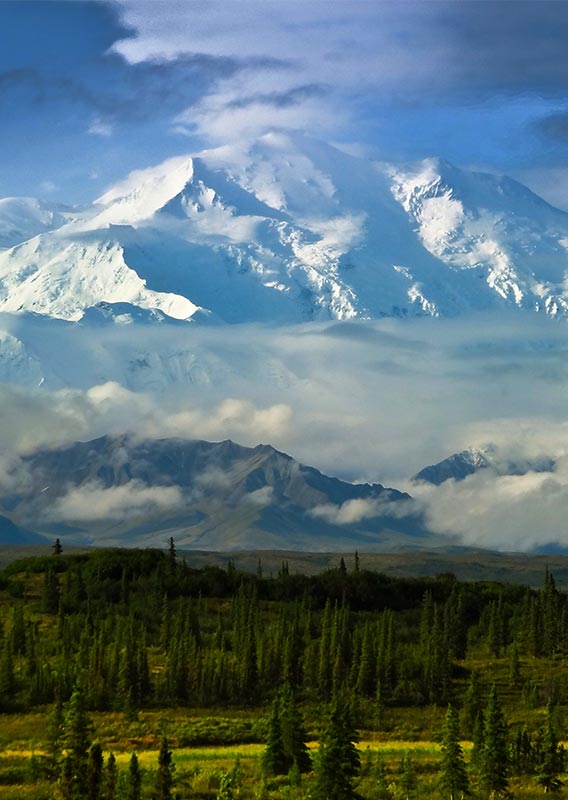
[91,90]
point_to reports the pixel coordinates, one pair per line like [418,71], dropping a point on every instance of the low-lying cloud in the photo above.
[261,498]
[366,401]
[354,511]
[133,500]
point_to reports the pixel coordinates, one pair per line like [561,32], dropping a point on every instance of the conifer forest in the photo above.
[129,674]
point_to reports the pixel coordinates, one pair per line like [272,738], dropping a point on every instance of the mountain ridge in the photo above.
[127,490]
[467,462]
[290,229]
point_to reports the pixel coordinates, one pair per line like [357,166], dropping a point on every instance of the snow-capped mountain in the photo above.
[288,229]
[119,490]
[459,465]
[22,218]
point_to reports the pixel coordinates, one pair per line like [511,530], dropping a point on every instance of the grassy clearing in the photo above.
[199,769]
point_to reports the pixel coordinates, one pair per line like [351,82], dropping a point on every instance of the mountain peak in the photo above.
[287,229]
[144,192]
[216,495]
[460,465]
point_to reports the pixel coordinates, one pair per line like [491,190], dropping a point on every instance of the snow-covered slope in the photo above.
[287,229]
[24,217]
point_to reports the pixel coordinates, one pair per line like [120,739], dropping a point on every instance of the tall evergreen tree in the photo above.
[77,738]
[494,762]
[454,781]
[172,555]
[324,662]
[274,760]
[338,762]
[472,704]
[95,772]
[294,737]
[134,788]
[55,735]
[110,778]
[551,764]
[478,737]
[165,773]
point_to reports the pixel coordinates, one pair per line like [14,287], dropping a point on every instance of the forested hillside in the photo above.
[116,652]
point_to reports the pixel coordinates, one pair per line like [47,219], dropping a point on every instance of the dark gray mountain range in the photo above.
[120,490]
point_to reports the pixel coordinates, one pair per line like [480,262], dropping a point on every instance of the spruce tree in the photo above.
[472,705]
[77,739]
[494,762]
[55,735]
[134,789]
[110,778]
[172,555]
[274,761]
[453,779]
[66,778]
[165,773]
[551,764]
[478,736]
[366,678]
[95,772]
[338,762]
[324,661]
[294,735]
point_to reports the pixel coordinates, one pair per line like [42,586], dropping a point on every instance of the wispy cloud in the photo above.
[354,511]
[352,51]
[134,499]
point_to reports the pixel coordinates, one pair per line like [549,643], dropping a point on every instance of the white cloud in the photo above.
[131,500]
[213,479]
[260,497]
[354,511]
[232,418]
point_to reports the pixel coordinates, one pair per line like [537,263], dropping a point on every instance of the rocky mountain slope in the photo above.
[117,490]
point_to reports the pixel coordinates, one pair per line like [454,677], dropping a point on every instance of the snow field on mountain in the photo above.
[289,229]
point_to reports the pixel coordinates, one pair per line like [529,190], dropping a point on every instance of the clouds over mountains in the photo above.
[363,401]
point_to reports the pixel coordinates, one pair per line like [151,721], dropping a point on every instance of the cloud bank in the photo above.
[94,502]
[372,402]
[320,65]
